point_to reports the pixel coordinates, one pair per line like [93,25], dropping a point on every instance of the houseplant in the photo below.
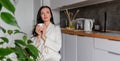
[23,49]
[71,17]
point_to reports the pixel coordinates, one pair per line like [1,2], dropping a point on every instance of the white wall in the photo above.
[56,16]
[24,15]
[37,4]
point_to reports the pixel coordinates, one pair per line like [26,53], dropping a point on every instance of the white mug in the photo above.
[41,25]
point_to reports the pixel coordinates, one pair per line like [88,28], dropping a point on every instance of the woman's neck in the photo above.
[47,23]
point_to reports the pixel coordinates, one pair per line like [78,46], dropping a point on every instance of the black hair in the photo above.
[39,19]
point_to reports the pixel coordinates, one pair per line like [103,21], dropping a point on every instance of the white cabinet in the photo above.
[107,50]
[62,51]
[64,4]
[59,3]
[69,48]
[77,48]
[102,55]
[70,2]
[85,48]
[56,4]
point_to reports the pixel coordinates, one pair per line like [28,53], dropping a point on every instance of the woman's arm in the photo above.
[54,44]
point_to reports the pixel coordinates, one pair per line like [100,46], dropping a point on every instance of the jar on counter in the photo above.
[80,24]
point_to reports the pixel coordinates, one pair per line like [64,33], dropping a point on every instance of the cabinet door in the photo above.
[85,48]
[62,51]
[107,50]
[70,45]
[106,44]
[102,55]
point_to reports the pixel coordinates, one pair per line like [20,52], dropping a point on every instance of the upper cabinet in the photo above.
[60,3]
[55,4]
[68,4]
[64,4]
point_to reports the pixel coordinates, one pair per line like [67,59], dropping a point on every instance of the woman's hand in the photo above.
[41,31]
[38,31]
[44,32]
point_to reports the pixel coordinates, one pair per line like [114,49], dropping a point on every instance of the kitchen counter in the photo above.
[91,34]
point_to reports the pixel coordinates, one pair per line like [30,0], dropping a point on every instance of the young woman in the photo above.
[47,37]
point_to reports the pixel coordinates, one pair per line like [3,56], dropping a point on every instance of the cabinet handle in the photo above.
[114,53]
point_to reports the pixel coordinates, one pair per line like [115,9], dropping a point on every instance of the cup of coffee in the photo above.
[41,25]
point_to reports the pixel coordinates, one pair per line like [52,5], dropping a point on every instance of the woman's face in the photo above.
[45,14]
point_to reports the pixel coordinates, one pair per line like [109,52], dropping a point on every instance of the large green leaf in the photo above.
[29,41]
[8,59]
[9,19]
[16,31]
[5,51]
[21,42]
[29,59]
[0,7]
[22,59]
[1,58]
[8,5]
[19,52]
[4,39]
[33,50]
[3,30]
[1,43]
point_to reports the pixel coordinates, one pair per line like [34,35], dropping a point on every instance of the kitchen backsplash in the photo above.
[109,12]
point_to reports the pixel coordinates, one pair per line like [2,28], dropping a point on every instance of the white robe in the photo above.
[50,50]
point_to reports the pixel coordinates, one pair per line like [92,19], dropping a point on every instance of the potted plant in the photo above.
[71,18]
[23,48]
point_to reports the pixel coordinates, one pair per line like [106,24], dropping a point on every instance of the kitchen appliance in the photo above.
[88,25]
[79,23]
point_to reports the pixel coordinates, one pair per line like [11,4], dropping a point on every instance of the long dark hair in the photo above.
[39,19]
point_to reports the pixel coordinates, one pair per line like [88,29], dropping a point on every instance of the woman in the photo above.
[48,37]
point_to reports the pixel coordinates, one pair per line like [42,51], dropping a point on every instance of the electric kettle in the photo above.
[88,25]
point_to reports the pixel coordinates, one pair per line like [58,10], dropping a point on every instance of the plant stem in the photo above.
[75,14]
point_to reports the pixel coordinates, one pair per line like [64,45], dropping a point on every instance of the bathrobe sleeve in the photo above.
[33,39]
[54,43]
